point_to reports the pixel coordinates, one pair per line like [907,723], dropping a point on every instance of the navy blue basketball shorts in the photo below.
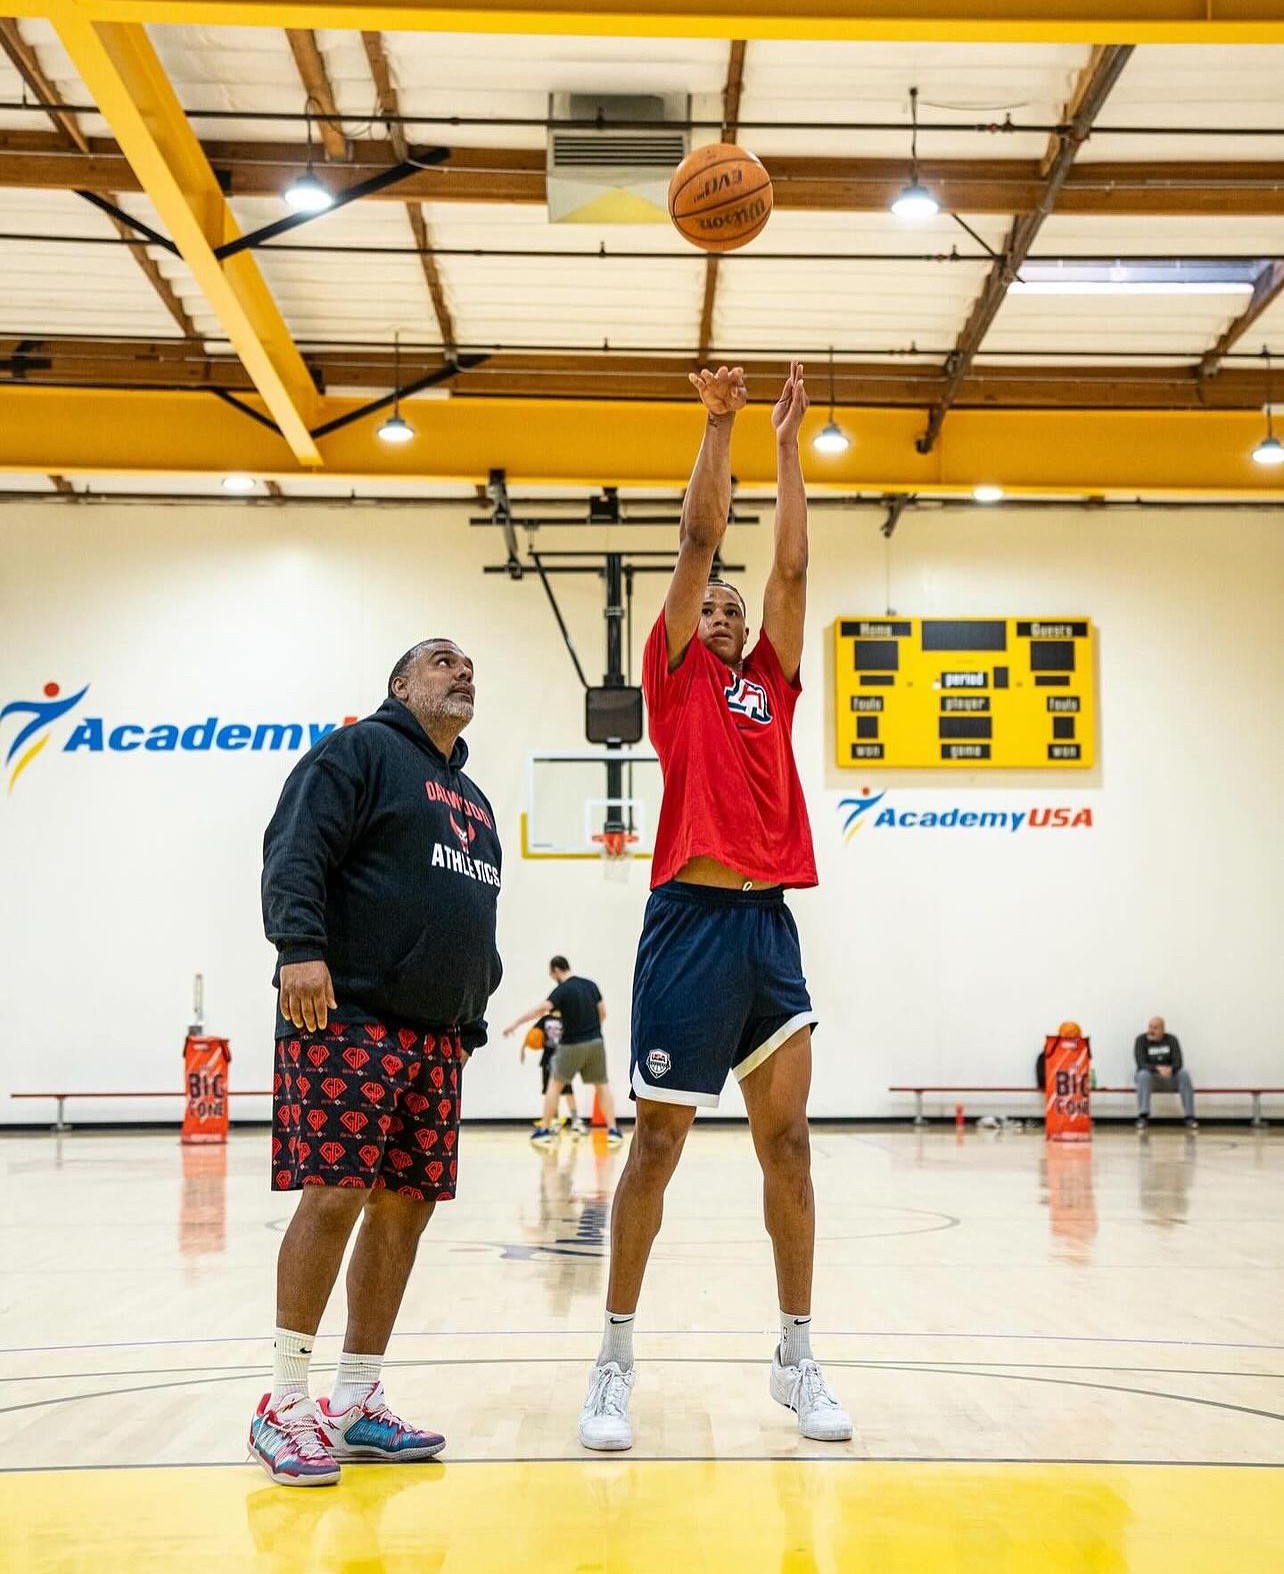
[718,987]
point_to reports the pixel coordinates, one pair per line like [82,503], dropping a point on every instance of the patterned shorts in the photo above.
[368,1106]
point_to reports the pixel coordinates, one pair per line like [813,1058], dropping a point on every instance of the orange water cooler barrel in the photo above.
[1068,1087]
[205,1063]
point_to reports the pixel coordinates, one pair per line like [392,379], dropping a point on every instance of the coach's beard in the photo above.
[454,707]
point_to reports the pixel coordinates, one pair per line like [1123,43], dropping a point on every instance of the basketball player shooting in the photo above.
[719,984]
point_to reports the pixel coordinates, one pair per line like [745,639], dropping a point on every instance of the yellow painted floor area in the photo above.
[652,1517]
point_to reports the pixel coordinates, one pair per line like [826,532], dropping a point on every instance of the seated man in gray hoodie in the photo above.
[1160,1070]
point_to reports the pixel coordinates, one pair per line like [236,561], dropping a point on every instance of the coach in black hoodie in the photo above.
[381,871]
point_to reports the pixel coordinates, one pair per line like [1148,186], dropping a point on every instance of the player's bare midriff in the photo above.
[708,871]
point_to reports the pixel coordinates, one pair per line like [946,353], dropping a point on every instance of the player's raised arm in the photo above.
[784,606]
[705,506]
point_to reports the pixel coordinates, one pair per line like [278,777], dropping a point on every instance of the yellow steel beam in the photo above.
[127,82]
[941,21]
[582,442]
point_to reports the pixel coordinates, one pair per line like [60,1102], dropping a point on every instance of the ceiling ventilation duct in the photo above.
[605,172]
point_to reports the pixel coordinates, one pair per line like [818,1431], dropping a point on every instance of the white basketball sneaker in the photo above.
[604,1420]
[803,1389]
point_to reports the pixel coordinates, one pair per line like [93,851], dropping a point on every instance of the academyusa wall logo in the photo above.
[871,809]
[35,721]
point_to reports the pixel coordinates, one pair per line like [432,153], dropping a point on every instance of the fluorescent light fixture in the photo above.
[987,492]
[1086,287]
[239,483]
[1269,452]
[1204,276]
[306,194]
[831,439]
[916,204]
[395,430]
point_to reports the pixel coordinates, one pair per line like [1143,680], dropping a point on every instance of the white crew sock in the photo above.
[356,1376]
[291,1357]
[795,1339]
[617,1341]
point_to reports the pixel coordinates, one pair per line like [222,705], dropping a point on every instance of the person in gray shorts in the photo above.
[582,1053]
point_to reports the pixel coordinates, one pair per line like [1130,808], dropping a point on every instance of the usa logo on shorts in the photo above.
[658,1063]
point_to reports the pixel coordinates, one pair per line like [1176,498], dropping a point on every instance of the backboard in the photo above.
[576,795]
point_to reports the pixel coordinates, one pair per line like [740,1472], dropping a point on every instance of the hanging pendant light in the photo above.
[831,439]
[915,203]
[1270,451]
[305,193]
[395,429]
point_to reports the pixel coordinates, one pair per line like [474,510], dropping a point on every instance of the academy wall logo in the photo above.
[872,809]
[97,735]
[42,714]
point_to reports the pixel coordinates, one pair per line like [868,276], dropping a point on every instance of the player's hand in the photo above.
[307,994]
[510,1030]
[722,392]
[1165,1071]
[791,406]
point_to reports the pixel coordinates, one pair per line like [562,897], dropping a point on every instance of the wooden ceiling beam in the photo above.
[385,88]
[167,363]
[1091,92]
[1266,292]
[27,64]
[731,93]
[310,64]
[36,160]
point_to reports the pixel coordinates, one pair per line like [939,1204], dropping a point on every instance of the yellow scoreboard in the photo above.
[975,693]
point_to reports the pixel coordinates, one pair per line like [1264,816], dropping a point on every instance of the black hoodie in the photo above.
[382,860]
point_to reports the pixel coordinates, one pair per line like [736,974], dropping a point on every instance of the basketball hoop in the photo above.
[614,844]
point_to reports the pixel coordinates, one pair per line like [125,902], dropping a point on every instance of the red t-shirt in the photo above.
[725,742]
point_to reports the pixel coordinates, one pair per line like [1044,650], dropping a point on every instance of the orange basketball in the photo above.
[720,197]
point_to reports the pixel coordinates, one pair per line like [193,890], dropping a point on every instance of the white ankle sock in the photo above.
[291,1357]
[617,1341]
[356,1376]
[795,1339]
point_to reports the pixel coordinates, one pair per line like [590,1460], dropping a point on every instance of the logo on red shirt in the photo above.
[748,699]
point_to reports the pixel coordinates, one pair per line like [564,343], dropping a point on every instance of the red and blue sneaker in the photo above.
[369,1430]
[288,1443]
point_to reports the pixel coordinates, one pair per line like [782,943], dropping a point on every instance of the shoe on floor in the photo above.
[614,1137]
[369,1430]
[544,1136]
[1142,1123]
[604,1420]
[578,1128]
[803,1389]
[1192,1124]
[287,1442]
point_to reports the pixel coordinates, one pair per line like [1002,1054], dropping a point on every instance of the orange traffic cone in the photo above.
[599,1119]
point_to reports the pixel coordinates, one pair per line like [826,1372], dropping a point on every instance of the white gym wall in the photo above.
[941,955]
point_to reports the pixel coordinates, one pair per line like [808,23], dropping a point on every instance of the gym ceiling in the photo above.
[1087,315]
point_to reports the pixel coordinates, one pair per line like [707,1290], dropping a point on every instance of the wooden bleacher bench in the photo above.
[919,1089]
[165,1093]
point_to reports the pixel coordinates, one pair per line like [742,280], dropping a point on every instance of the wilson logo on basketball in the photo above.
[718,183]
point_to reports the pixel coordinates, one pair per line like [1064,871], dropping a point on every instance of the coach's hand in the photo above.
[307,994]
